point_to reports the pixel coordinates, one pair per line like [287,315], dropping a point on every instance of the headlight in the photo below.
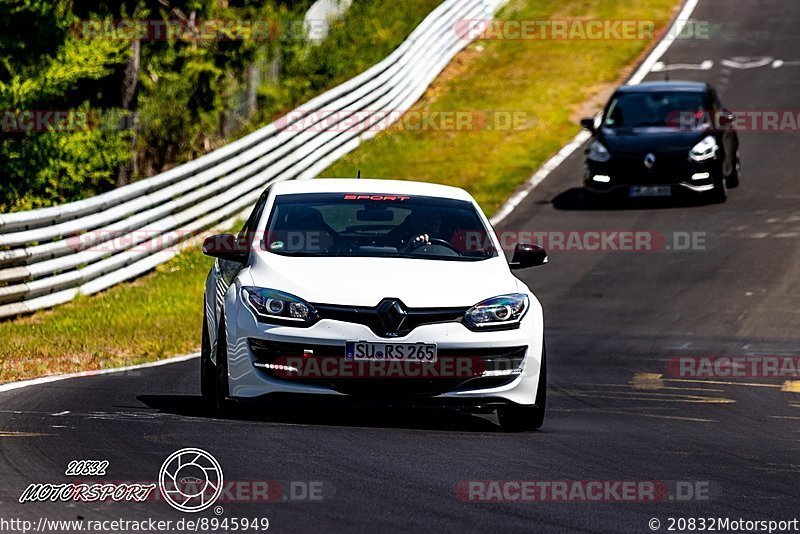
[497,313]
[276,306]
[705,149]
[597,152]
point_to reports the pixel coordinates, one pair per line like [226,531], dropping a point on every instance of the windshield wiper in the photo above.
[302,254]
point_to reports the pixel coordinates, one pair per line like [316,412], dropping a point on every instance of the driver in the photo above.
[418,228]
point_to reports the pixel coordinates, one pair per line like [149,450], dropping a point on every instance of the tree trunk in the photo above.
[130,103]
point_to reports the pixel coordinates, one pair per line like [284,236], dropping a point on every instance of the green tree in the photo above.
[44,67]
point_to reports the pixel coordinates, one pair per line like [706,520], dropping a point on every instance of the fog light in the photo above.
[601,178]
[701,176]
[277,367]
[502,372]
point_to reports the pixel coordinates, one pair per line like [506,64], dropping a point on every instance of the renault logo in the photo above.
[650,160]
[392,315]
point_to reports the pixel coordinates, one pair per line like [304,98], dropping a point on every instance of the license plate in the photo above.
[650,191]
[365,351]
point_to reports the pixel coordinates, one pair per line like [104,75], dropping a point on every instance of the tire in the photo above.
[732,180]
[208,379]
[223,405]
[522,418]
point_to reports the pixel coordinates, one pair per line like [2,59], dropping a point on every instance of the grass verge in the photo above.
[159,315]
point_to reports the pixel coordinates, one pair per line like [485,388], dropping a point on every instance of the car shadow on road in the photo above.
[573,199]
[323,414]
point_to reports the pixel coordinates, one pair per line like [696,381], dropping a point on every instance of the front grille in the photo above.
[390,318]
[456,370]
[630,169]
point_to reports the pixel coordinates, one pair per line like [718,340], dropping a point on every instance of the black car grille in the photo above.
[456,370]
[630,169]
[390,318]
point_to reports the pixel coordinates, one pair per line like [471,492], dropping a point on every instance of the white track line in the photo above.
[644,69]
[55,378]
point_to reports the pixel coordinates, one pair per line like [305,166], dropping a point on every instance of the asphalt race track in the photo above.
[614,319]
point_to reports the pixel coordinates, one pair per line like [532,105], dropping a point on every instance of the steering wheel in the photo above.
[413,245]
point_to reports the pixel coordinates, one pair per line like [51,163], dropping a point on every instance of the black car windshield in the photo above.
[631,110]
[376,225]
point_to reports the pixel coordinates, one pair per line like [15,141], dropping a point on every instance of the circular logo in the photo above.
[190,480]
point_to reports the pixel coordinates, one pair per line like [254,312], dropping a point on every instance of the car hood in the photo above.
[641,141]
[366,281]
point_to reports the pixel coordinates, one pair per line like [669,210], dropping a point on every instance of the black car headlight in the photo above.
[597,152]
[278,307]
[704,150]
[497,313]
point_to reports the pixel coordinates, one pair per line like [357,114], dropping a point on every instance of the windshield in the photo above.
[630,110]
[376,225]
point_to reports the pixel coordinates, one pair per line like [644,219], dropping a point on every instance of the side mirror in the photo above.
[725,118]
[225,247]
[526,255]
[588,124]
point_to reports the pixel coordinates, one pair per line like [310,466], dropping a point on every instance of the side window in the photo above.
[249,230]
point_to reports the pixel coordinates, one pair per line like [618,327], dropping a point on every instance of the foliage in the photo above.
[189,92]
[42,68]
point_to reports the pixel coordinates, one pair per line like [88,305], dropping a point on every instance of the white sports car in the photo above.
[373,291]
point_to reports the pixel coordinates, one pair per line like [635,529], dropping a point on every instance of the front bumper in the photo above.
[475,368]
[619,174]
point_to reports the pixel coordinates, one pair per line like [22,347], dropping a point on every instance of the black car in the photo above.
[661,139]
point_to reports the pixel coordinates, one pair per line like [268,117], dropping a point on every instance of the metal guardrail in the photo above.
[49,256]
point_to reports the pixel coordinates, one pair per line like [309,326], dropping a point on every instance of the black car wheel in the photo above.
[208,378]
[223,404]
[732,180]
[522,418]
